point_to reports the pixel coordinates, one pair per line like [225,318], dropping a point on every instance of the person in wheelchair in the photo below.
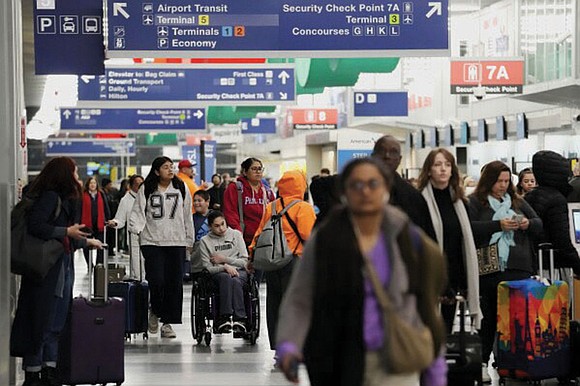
[224,255]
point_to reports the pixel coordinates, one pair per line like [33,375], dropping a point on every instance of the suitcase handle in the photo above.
[541,249]
[93,257]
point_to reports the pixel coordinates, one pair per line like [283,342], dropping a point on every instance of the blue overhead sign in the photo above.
[209,159]
[381,104]
[90,147]
[252,85]
[258,125]
[270,28]
[192,154]
[132,120]
[68,37]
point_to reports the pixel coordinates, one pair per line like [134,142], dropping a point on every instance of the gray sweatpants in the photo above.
[231,290]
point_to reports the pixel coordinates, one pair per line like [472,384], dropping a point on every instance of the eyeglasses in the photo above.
[359,186]
[257,169]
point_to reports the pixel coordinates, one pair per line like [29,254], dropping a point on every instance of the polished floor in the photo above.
[182,362]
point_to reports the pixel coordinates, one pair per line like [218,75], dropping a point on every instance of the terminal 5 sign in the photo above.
[496,76]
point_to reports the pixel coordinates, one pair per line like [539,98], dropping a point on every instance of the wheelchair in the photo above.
[205,309]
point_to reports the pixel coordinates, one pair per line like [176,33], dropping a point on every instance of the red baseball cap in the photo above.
[185,164]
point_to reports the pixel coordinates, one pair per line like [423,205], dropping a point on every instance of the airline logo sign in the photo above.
[496,76]
[313,119]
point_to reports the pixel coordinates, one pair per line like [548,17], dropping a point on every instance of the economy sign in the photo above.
[276,28]
[504,76]
[132,120]
[179,86]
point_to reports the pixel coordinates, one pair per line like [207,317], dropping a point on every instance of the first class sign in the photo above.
[496,76]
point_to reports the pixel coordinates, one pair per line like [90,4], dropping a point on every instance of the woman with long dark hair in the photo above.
[43,307]
[499,216]
[330,315]
[95,213]
[439,182]
[161,216]
[251,196]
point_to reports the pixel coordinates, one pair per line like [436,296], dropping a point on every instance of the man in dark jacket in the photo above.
[549,201]
[403,195]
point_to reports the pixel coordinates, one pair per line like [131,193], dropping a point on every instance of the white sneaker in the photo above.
[153,323]
[485,377]
[167,331]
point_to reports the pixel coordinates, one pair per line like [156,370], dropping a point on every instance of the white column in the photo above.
[11,108]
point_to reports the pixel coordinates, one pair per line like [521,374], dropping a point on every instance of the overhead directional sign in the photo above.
[258,125]
[504,76]
[132,120]
[253,85]
[90,147]
[276,28]
[381,104]
[68,37]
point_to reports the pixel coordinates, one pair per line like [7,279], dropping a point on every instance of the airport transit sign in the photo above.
[277,28]
[233,84]
[132,120]
[496,76]
[90,147]
[381,104]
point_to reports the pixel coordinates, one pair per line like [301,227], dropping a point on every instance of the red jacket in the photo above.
[253,204]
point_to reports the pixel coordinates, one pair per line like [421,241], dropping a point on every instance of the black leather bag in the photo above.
[488,259]
[31,256]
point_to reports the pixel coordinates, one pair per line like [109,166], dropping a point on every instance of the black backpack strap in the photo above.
[239,188]
[292,224]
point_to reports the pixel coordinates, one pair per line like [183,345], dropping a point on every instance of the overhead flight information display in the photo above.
[276,28]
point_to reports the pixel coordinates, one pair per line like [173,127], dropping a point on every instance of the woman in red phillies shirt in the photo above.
[255,196]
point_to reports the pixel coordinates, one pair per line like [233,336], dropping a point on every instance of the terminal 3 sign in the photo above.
[276,28]
[496,76]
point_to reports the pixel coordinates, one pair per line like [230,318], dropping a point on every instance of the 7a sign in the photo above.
[496,76]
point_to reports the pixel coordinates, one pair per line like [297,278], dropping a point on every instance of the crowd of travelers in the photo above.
[361,237]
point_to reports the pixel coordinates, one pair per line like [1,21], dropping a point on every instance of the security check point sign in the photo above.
[277,28]
[496,76]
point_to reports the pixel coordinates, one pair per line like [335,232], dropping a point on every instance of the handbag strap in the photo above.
[292,224]
[380,293]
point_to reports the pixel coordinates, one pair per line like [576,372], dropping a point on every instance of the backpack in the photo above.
[271,252]
[31,256]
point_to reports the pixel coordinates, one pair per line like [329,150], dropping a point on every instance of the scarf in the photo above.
[469,251]
[87,215]
[504,239]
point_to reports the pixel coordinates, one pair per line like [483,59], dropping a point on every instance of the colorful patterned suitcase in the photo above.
[533,329]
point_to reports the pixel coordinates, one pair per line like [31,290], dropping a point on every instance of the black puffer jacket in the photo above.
[549,201]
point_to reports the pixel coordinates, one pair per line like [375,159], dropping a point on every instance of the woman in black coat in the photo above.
[549,201]
[43,306]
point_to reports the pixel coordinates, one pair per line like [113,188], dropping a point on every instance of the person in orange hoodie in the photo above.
[291,186]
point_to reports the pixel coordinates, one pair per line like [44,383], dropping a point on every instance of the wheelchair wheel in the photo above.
[192,311]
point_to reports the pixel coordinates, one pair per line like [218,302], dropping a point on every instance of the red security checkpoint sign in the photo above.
[313,119]
[496,76]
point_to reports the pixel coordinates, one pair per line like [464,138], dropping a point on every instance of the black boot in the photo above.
[32,378]
[49,376]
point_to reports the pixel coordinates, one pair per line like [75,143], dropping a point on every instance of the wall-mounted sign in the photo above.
[258,125]
[500,128]
[495,76]
[313,119]
[521,126]
[481,130]
[276,28]
[464,133]
[132,120]
[179,86]
[90,147]
[381,104]
[448,139]
[68,37]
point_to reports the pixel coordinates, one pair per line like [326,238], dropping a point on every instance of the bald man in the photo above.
[403,195]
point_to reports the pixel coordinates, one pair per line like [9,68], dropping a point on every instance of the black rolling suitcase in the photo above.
[136,296]
[91,349]
[463,354]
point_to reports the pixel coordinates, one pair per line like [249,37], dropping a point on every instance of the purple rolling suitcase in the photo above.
[92,345]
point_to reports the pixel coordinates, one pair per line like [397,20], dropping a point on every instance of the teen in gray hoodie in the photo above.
[224,255]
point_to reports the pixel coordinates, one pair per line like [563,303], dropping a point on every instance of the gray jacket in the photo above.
[231,246]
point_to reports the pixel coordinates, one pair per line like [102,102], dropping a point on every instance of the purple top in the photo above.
[372,321]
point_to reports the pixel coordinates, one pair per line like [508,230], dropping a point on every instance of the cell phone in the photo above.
[518,217]
[293,372]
